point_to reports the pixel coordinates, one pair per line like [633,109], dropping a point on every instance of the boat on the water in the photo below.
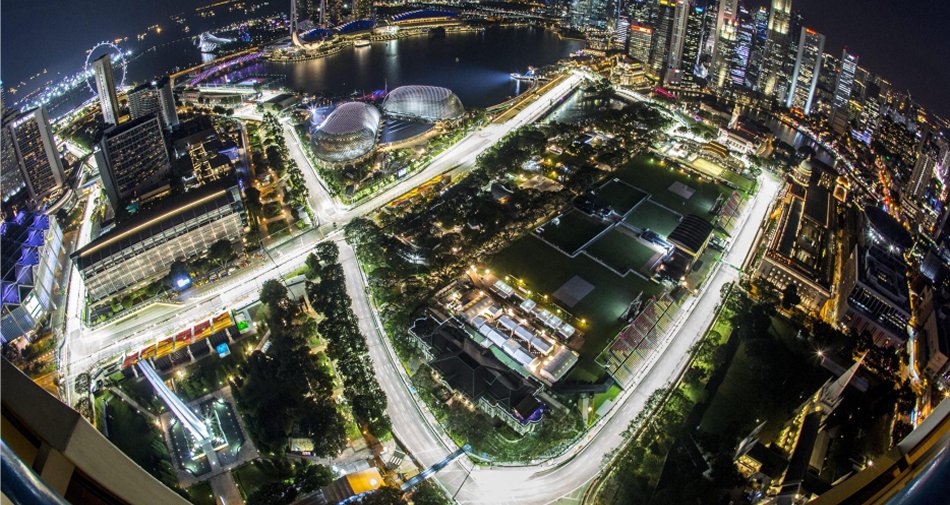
[361,43]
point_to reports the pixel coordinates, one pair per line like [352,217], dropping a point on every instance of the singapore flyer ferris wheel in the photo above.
[119,63]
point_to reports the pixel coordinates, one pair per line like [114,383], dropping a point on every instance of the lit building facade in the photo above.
[34,151]
[429,103]
[105,86]
[11,179]
[154,98]
[811,46]
[348,133]
[31,243]
[801,250]
[133,161]
[143,248]
[639,41]
[772,77]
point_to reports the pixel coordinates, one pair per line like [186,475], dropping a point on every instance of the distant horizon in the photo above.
[904,42]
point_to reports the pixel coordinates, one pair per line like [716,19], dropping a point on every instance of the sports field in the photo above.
[571,230]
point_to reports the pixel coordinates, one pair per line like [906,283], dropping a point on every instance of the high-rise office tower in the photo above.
[589,14]
[639,41]
[727,10]
[771,77]
[811,46]
[933,157]
[841,110]
[725,49]
[154,97]
[674,58]
[11,179]
[761,21]
[845,81]
[692,45]
[133,161]
[745,37]
[34,150]
[662,33]
[105,86]
[621,31]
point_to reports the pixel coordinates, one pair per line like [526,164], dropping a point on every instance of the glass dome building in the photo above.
[348,133]
[430,103]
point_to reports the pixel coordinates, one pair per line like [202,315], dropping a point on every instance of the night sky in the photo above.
[907,41]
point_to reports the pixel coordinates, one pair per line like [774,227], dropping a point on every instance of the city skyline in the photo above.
[475,254]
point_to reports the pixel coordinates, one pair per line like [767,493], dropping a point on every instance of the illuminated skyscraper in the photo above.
[105,86]
[840,106]
[639,41]
[772,78]
[133,161]
[662,33]
[34,150]
[811,45]
[621,29]
[849,64]
[725,49]
[692,45]
[745,36]
[727,10]
[589,14]
[674,59]
[154,97]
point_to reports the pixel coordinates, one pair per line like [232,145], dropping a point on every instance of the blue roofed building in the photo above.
[30,244]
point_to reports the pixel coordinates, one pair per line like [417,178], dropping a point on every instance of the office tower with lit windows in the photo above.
[133,161]
[772,77]
[674,58]
[811,46]
[719,75]
[692,44]
[840,115]
[726,10]
[29,143]
[154,97]
[589,14]
[639,41]
[662,33]
[621,30]
[105,86]
[11,179]
[745,37]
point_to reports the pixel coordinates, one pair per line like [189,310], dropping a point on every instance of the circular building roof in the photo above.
[430,103]
[347,133]
[888,227]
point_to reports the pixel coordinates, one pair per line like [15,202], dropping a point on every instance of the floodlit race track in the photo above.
[413,425]
[544,483]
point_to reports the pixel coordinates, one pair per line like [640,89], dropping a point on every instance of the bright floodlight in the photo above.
[430,103]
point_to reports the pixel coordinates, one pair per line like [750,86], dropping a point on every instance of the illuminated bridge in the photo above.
[188,418]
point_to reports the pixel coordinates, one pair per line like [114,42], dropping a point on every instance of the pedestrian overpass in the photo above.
[188,418]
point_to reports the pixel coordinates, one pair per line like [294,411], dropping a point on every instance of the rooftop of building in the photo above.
[166,215]
[889,228]
[691,233]
[885,273]
[802,239]
[475,372]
